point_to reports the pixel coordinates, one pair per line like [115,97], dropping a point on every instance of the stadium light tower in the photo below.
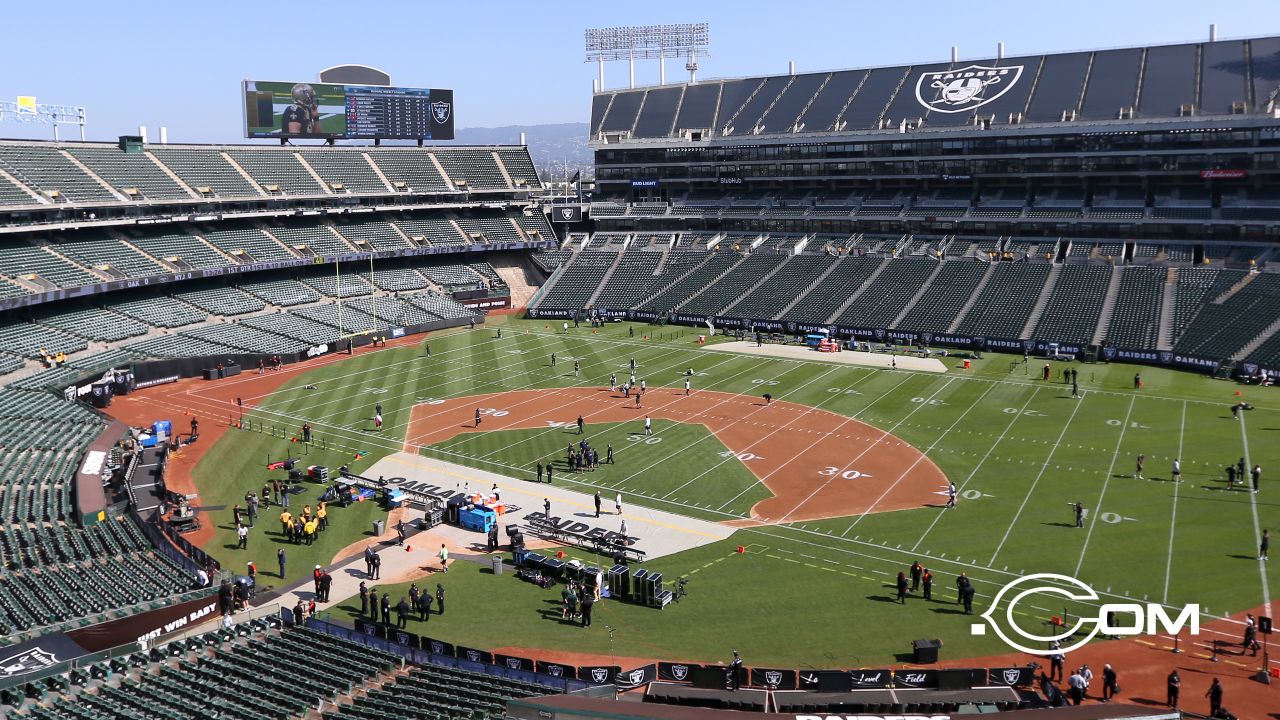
[647,42]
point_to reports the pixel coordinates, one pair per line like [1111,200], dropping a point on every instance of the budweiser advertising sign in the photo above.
[1224,174]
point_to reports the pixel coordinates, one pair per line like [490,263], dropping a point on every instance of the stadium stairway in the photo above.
[692,269]
[1164,340]
[1257,342]
[1041,303]
[591,301]
[378,171]
[711,283]
[243,173]
[816,283]
[1108,306]
[1248,278]
[916,298]
[973,298]
[96,178]
[172,175]
[53,250]
[312,172]
[756,286]
[857,293]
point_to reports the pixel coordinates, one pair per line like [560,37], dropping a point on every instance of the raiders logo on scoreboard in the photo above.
[964,89]
[441,111]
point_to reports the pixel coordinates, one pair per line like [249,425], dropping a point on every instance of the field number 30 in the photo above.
[832,471]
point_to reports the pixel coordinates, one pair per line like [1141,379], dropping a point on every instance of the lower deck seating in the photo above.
[1006,302]
[1135,319]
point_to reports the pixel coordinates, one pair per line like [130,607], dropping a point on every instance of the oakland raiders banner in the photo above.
[773,679]
[598,674]
[631,679]
[437,647]
[556,670]
[36,655]
[676,672]
[913,678]
[511,662]
[473,655]
[1013,677]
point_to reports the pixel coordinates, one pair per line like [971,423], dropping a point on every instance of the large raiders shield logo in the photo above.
[26,662]
[1012,675]
[637,676]
[773,678]
[473,656]
[441,110]
[679,672]
[513,663]
[599,674]
[566,214]
[437,647]
[966,88]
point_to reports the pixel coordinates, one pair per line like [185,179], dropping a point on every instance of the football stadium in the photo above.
[907,391]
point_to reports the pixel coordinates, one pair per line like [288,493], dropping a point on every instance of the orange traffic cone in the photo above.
[408,548]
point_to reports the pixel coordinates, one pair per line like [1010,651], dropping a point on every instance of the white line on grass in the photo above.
[821,438]
[1173,520]
[921,457]
[587,416]
[968,378]
[1097,508]
[981,462]
[1257,526]
[883,434]
[1035,482]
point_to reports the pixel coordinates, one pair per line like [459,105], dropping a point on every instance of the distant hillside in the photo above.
[550,145]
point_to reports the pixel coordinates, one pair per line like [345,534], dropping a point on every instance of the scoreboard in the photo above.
[346,112]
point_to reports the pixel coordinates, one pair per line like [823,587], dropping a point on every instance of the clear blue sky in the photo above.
[180,64]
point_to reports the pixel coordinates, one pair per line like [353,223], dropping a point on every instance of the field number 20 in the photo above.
[493,412]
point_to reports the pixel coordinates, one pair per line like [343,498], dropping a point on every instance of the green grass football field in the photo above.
[816,593]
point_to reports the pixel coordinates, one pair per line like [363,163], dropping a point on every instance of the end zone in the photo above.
[845,357]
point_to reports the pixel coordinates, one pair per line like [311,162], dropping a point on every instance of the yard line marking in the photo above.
[1257,526]
[921,457]
[587,416]
[824,436]
[969,378]
[462,438]
[981,462]
[1035,482]
[734,457]
[883,434]
[1173,520]
[1093,517]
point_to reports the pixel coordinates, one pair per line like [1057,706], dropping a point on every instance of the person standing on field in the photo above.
[1142,460]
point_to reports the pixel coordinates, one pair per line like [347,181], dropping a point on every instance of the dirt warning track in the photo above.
[817,464]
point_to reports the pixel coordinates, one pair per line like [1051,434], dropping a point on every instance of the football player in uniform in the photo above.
[303,116]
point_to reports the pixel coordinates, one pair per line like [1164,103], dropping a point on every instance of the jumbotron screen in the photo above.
[346,112]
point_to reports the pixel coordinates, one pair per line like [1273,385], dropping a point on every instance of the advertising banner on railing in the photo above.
[146,626]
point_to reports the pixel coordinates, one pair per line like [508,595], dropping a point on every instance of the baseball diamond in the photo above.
[895,391]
